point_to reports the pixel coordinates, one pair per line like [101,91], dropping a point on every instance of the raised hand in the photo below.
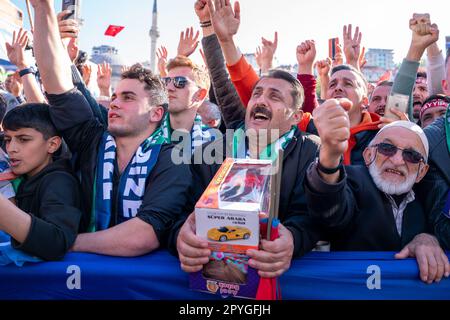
[333,125]
[87,71]
[306,54]
[323,67]
[162,56]
[339,56]
[264,55]
[72,49]
[202,10]
[67,28]
[104,73]
[271,46]
[258,56]
[352,45]
[16,85]
[224,19]
[424,34]
[419,23]
[16,50]
[362,59]
[188,42]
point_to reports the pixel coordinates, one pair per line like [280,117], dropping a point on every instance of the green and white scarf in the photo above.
[200,134]
[240,149]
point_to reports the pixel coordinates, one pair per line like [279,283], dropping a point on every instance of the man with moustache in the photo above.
[373,207]
[379,97]
[345,82]
[420,94]
[272,113]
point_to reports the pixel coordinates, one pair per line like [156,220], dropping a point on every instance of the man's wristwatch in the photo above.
[26,71]
[329,170]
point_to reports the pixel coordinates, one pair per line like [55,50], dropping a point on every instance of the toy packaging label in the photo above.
[228,216]
[228,230]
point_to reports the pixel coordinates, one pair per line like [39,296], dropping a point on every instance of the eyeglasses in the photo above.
[409,155]
[178,82]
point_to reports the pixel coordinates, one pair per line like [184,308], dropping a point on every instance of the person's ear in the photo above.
[53,144]
[423,170]
[368,156]
[157,114]
[446,87]
[200,95]
[297,116]
[365,102]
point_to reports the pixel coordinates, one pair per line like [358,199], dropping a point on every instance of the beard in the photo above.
[391,188]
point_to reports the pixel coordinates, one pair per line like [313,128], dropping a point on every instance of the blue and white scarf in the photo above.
[132,182]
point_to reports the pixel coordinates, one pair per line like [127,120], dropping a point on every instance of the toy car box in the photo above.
[228,216]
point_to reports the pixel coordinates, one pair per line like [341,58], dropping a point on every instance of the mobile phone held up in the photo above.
[398,102]
[332,47]
[71,5]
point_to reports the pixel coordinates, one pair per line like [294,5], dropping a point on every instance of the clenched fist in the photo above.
[333,124]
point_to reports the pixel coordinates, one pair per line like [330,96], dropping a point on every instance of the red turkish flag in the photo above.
[385,77]
[112,31]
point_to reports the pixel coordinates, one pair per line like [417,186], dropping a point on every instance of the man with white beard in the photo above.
[373,207]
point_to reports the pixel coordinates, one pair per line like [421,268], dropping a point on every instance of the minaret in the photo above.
[154,35]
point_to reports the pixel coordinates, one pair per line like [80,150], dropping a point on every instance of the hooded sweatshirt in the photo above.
[53,200]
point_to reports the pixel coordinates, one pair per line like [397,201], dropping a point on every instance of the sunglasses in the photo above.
[409,155]
[178,82]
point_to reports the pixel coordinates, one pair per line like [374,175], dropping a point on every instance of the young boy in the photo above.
[46,220]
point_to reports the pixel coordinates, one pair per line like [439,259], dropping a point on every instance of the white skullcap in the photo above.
[413,128]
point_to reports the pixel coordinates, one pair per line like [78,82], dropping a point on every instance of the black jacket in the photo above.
[433,190]
[231,105]
[357,215]
[167,186]
[293,212]
[53,200]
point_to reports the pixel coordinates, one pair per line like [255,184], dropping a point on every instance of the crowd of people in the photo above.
[121,175]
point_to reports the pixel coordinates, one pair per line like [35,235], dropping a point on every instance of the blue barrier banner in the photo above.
[332,276]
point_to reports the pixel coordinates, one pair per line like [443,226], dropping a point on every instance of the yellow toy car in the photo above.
[228,233]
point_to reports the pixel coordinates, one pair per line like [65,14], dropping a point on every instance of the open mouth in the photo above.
[261,114]
[381,111]
[261,117]
[14,162]
[113,116]
[394,172]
